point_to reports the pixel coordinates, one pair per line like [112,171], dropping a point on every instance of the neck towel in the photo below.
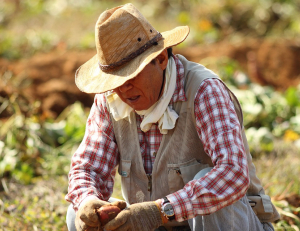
[160,112]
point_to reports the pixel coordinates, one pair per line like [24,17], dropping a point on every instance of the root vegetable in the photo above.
[109,212]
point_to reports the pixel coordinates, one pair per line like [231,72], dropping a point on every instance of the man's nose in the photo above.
[125,87]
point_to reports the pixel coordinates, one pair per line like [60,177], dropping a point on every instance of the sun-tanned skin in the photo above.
[143,91]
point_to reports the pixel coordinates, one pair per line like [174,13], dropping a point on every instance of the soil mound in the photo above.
[267,62]
[45,77]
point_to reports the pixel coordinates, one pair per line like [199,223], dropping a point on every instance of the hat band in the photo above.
[131,56]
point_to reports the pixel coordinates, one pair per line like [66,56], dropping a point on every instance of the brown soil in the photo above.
[49,77]
[267,62]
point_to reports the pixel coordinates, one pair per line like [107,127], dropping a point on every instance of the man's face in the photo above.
[142,92]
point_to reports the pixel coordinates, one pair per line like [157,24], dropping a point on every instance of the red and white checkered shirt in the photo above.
[93,164]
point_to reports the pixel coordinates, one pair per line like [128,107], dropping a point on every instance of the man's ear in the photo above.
[163,59]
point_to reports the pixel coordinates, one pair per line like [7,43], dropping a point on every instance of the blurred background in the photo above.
[254,45]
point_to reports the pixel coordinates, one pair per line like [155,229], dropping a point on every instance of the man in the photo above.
[173,129]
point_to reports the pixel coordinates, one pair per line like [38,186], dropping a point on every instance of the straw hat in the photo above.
[125,42]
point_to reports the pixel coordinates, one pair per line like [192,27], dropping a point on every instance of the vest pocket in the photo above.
[124,171]
[180,174]
[188,172]
[175,180]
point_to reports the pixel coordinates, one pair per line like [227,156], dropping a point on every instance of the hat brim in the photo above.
[90,79]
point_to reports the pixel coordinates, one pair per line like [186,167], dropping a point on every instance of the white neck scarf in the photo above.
[159,112]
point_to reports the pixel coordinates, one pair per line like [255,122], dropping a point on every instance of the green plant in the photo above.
[30,147]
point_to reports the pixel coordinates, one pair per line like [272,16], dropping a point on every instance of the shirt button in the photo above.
[154,154]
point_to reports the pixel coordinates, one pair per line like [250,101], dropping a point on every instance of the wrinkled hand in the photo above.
[87,218]
[141,216]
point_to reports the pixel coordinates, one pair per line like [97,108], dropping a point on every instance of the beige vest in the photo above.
[180,155]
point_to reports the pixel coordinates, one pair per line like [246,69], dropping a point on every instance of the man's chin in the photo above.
[139,107]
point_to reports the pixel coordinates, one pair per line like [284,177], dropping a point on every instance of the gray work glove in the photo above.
[141,216]
[87,218]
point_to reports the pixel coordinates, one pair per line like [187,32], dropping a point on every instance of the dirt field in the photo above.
[49,77]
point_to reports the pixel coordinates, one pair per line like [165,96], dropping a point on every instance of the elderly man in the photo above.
[173,129]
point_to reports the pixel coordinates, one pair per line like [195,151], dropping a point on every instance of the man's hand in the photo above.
[141,216]
[87,217]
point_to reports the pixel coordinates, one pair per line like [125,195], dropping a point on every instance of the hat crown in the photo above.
[126,42]
[120,32]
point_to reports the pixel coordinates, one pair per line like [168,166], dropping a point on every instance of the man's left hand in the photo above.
[140,216]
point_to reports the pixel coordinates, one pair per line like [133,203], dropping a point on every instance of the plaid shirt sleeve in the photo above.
[220,132]
[93,164]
